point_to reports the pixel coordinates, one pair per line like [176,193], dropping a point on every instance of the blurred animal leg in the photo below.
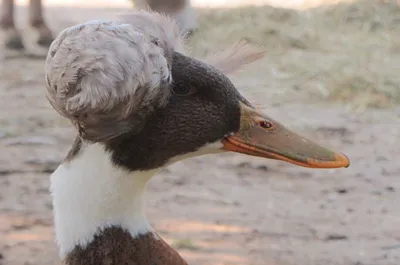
[12,39]
[186,18]
[36,20]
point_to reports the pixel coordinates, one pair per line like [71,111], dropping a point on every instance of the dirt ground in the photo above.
[338,88]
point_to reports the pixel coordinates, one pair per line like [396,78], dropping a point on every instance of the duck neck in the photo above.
[98,210]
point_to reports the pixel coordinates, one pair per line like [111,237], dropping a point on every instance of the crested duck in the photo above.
[139,104]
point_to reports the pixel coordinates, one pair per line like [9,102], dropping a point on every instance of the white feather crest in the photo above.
[100,72]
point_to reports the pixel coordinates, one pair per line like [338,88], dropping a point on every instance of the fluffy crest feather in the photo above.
[161,29]
[236,56]
[107,76]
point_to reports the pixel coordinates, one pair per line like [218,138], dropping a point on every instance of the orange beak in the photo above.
[261,136]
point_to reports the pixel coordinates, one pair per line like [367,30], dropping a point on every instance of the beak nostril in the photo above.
[265,124]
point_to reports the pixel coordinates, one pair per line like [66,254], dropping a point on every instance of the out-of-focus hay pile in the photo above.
[348,51]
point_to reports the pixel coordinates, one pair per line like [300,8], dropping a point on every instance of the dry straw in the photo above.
[347,52]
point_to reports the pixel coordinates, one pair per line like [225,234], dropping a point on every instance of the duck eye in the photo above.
[265,124]
[183,90]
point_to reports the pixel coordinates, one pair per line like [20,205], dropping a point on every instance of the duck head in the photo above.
[151,105]
[205,113]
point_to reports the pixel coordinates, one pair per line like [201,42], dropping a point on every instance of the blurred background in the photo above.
[331,73]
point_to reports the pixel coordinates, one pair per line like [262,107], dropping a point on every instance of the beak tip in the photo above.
[343,160]
[338,160]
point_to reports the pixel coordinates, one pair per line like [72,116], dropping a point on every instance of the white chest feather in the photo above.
[90,193]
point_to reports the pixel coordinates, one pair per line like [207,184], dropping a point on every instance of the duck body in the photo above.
[140,104]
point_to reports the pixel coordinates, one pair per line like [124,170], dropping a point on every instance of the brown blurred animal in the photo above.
[12,38]
[180,10]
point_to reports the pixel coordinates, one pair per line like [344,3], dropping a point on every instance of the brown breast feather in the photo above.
[114,246]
